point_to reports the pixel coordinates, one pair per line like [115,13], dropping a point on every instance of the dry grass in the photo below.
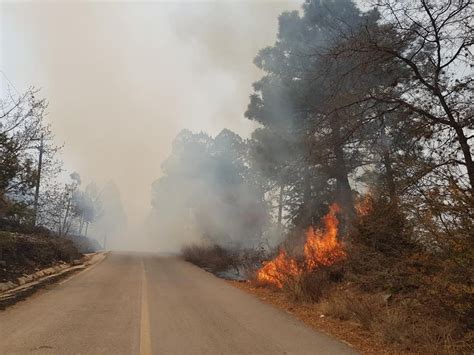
[311,314]
[397,325]
[307,287]
[363,310]
[311,286]
[23,254]
[370,324]
[210,257]
[425,336]
[215,258]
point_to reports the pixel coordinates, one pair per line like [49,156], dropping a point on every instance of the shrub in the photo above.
[426,336]
[384,228]
[26,253]
[336,307]
[210,257]
[308,287]
[363,310]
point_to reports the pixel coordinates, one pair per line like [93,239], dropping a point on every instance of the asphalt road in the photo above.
[139,304]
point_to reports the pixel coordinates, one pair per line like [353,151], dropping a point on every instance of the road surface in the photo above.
[142,304]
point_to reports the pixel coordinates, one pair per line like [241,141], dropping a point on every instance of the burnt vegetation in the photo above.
[372,111]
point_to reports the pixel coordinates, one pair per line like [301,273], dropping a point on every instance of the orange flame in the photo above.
[364,204]
[277,271]
[322,246]
[321,249]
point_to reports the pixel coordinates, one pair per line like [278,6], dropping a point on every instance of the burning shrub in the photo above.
[322,246]
[321,249]
[279,271]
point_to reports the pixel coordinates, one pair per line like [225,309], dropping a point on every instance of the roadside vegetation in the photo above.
[25,254]
[370,112]
[46,216]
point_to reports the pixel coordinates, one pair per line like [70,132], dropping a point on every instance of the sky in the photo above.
[123,78]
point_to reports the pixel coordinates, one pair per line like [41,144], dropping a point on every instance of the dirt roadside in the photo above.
[350,332]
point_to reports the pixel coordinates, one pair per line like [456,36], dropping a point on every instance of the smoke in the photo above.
[124,78]
[207,193]
[111,221]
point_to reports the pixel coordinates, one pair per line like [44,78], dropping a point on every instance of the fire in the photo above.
[277,271]
[364,204]
[322,246]
[321,249]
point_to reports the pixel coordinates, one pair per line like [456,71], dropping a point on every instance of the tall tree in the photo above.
[432,42]
[297,97]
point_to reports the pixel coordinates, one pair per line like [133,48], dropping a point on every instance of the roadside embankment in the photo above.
[22,254]
[29,262]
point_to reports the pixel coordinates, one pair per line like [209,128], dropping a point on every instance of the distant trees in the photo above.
[108,214]
[208,191]
[32,190]
[87,207]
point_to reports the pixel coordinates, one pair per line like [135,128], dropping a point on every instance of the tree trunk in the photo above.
[307,205]
[280,209]
[462,139]
[466,150]
[81,225]
[387,162]
[344,191]
[66,216]
[389,179]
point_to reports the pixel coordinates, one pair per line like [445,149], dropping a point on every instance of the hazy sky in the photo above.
[123,78]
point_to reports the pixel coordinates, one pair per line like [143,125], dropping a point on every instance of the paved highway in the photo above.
[143,304]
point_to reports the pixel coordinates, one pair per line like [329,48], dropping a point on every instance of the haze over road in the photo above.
[142,304]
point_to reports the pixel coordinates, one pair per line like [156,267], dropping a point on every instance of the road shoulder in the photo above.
[29,284]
